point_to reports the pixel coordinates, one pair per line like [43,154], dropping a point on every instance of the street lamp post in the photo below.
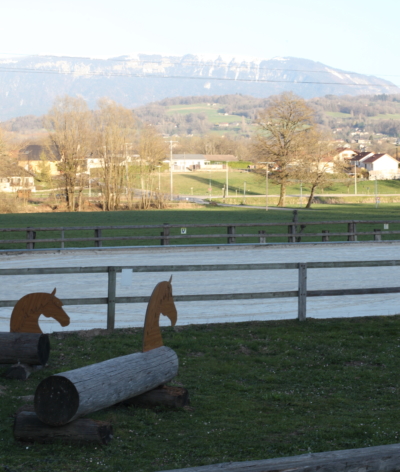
[355,179]
[170,167]
[266,182]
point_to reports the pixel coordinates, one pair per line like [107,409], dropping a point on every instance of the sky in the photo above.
[354,35]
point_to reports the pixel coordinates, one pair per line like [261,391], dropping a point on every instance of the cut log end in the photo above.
[28,428]
[26,348]
[56,400]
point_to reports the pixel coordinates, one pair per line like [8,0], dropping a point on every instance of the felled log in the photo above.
[24,348]
[18,372]
[374,459]
[175,397]
[61,398]
[27,427]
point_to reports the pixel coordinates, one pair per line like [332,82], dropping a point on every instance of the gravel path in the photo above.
[95,285]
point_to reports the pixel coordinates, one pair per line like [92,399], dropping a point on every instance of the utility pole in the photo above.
[170,167]
[355,179]
[266,182]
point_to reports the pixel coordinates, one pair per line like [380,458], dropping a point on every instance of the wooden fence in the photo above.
[232,234]
[302,293]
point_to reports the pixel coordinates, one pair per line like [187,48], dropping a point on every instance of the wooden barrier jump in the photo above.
[233,233]
[302,293]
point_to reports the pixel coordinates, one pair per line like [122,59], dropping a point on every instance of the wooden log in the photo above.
[61,398]
[175,397]
[28,427]
[25,348]
[18,372]
[373,459]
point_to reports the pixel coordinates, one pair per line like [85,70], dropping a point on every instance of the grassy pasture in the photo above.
[258,390]
[198,183]
[211,112]
[199,215]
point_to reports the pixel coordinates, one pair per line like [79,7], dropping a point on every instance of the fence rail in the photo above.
[294,232]
[301,293]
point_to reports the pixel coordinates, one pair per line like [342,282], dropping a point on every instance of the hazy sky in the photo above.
[355,35]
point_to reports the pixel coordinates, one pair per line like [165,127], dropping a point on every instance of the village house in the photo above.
[380,166]
[196,162]
[33,157]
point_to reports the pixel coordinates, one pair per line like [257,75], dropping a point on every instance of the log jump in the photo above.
[62,398]
[24,348]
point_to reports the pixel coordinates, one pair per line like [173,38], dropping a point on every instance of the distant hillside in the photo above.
[29,85]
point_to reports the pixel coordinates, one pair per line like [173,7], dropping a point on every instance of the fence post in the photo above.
[377,235]
[97,234]
[62,237]
[352,228]
[292,231]
[263,238]
[231,230]
[112,284]
[30,234]
[326,237]
[302,298]
[165,235]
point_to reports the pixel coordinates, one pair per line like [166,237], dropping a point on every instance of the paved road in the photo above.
[86,317]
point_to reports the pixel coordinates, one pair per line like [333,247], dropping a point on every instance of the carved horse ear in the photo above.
[170,280]
[53,292]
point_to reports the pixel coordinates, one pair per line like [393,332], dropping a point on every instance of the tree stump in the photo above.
[28,427]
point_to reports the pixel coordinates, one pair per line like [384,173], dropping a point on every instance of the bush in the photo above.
[9,203]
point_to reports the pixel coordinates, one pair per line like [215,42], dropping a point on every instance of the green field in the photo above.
[199,215]
[258,390]
[338,114]
[211,112]
[198,183]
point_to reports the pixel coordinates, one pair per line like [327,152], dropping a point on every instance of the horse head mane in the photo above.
[31,304]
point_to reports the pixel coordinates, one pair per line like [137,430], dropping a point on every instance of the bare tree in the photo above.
[69,125]
[115,132]
[316,165]
[152,151]
[282,129]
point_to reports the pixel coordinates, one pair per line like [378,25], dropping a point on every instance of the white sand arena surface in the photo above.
[185,283]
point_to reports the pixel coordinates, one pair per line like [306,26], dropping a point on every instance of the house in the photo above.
[381,167]
[343,154]
[34,156]
[17,183]
[193,162]
[358,158]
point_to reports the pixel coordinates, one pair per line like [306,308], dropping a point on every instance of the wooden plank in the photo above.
[373,459]
[193,225]
[28,427]
[112,287]
[61,398]
[302,297]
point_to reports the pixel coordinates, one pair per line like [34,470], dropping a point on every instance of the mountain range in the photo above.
[28,85]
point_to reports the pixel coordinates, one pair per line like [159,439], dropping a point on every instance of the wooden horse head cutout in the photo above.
[161,301]
[25,315]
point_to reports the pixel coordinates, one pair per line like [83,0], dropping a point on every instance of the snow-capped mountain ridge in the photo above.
[28,85]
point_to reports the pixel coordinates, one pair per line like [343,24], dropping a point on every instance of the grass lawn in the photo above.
[198,215]
[258,390]
[198,183]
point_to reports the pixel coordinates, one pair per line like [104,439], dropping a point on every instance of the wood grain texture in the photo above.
[161,301]
[26,313]
[28,427]
[61,398]
[26,348]
[371,459]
